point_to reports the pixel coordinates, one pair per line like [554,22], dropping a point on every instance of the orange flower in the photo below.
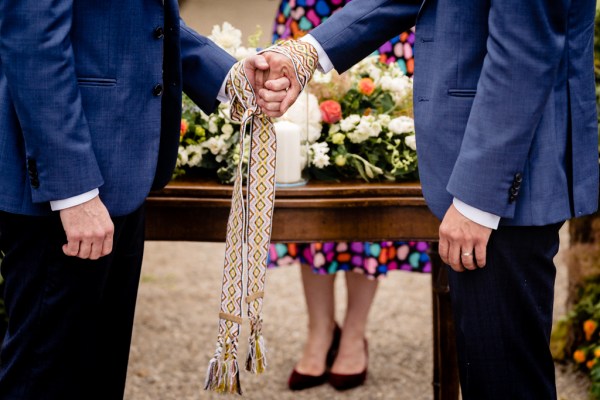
[331,111]
[589,327]
[590,363]
[597,352]
[184,127]
[366,86]
[579,356]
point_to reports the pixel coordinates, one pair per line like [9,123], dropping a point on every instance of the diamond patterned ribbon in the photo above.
[249,224]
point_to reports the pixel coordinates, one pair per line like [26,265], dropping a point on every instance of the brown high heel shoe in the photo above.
[350,381]
[298,381]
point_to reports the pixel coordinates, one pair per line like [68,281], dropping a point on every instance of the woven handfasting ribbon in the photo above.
[249,224]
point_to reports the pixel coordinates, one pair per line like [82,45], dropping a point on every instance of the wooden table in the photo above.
[197,210]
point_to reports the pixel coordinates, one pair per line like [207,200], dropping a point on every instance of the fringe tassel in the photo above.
[223,375]
[256,362]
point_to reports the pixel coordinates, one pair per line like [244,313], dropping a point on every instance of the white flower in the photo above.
[349,123]
[367,128]
[227,37]
[227,131]
[411,142]
[182,158]
[216,145]
[306,113]
[384,120]
[402,125]
[320,159]
[194,154]
[212,125]
[243,52]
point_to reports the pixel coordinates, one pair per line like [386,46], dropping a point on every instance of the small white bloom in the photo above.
[227,37]
[227,131]
[321,160]
[402,125]
[216,145]
[384,120]
[194,153]
[212,125]
[411,142]
[243,52]
[335,128]
[182,158]
[319,151]
[349,123]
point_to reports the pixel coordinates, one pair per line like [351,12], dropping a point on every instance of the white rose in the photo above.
[314,132]
[307,115]
[402,125]
[411,142]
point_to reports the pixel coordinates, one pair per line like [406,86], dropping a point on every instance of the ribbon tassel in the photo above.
[249,225]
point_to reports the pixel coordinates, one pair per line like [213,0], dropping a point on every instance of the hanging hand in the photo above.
[463,242]
[89,230]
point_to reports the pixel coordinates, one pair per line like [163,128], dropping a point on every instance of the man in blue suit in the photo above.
[507,138]
[90,110]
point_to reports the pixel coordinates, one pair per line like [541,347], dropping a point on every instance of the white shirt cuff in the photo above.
[476,215]
[58,205]
[222,95]
[325,64]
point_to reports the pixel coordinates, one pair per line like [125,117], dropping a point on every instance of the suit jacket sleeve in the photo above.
[524,50]
[37,59]
[204,67]
[361,27]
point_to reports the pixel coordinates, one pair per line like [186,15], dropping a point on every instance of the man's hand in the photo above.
[89,230]
[258,72]
[462,242]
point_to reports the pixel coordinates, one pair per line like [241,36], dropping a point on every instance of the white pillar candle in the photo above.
[289,164]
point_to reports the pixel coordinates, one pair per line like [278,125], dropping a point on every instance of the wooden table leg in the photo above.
[445,365]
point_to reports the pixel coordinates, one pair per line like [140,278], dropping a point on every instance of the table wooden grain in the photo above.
[197,210]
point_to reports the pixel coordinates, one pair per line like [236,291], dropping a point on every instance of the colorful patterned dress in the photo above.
[294,19]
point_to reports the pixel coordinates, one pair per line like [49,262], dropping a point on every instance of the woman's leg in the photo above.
[319,294]
[352,358]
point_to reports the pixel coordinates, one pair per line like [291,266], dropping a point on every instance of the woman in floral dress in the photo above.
[334,354]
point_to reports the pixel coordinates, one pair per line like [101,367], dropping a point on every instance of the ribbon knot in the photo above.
[249,224]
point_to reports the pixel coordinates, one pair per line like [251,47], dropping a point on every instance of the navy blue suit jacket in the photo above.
[90,96]
[504,99]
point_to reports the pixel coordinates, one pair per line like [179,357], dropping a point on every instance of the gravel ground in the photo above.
[176,320]
[176,326]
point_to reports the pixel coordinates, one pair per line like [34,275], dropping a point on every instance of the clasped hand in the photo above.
[462,243]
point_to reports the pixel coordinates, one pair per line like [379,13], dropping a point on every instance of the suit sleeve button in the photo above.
[159,32]
[157,90]
[518,177]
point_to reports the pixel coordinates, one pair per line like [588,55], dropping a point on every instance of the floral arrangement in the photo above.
[358,124]
[578,334]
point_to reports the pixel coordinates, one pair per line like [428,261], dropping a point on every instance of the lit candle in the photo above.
[289,164]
